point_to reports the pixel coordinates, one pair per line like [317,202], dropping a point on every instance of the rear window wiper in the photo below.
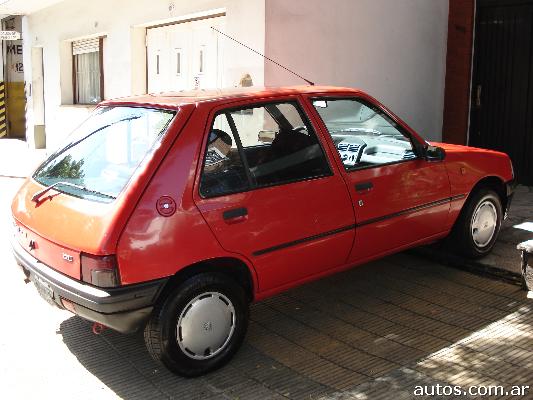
[35,198]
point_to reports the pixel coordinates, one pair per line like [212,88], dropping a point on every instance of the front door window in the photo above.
[363,135]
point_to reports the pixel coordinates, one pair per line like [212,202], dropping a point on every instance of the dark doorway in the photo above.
[502,86]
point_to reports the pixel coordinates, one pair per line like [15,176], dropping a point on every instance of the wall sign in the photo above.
[9,35]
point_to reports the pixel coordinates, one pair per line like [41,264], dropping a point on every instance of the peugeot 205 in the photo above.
[171,213]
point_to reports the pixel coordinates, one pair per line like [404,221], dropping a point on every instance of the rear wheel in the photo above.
[199,326]
[478,226]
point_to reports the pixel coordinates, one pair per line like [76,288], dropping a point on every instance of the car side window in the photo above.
[363,135]
[223,170]
[262,146]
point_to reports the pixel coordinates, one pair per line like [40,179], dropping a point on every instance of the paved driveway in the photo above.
[379,331]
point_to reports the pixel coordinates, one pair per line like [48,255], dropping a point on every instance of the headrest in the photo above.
[220,134]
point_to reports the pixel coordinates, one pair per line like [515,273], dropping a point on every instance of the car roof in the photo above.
[177,99]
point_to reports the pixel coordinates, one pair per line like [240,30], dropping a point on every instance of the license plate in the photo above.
[44,289]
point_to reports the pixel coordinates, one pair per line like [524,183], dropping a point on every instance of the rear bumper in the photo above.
[124,309]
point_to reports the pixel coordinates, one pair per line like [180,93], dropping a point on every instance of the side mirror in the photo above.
[434,153]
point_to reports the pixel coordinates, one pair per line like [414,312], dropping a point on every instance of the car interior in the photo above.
[293,154]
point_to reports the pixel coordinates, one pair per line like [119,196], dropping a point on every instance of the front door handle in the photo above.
[364,186]
[235,213]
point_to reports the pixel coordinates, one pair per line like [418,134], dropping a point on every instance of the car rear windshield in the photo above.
[102,154]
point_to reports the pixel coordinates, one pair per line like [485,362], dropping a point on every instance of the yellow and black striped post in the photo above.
[3,121]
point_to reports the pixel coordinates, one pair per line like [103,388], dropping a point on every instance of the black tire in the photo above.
[462,238]
[164,339]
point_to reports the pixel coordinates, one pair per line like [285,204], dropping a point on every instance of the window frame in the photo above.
[390,118]
[224,110]
[101,70]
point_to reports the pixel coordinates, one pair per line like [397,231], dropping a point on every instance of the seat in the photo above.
[285,159]
[218,149]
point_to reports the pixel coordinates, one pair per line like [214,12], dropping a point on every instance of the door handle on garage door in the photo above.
[364,186]
[235,214]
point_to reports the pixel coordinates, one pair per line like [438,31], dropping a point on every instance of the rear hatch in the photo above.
[58,229]
[77,200]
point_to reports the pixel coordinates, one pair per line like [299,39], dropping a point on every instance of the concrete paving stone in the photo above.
[327,323]
[512,359]
[274,375]
[418,316]
[347,312]
[325,346]
[301,387]
[468,293]
[453,374]
[368,361]
[290,383]
[117,373]
[277,347]
[432,270]
[430,326]
[249,390]
[492,367]
[434,295]
[225,378]
[327,372]
[399,384]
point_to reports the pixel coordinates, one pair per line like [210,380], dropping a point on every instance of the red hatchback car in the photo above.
[173,212]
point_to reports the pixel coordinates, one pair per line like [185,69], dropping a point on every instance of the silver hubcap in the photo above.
[206,325]
[484,223]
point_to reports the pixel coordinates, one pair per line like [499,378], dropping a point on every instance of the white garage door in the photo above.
[185,56]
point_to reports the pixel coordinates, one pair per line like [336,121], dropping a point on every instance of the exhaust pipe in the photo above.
[98,328]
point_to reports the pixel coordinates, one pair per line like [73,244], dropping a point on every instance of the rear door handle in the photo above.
[235,213]
[364,186]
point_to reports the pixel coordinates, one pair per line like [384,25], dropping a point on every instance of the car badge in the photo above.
[68,257]
[32,245]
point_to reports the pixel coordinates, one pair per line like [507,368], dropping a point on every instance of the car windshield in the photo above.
[102,154]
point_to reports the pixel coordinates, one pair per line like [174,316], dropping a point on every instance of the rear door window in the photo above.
[260,146]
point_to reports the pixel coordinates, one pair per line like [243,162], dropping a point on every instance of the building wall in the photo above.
[123,23]
[394,49]
[458,71]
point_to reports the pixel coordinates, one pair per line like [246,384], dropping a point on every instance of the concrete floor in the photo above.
[376,332]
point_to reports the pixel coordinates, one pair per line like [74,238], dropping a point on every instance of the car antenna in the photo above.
[262,55]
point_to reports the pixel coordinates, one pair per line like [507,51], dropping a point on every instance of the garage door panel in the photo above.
[185,56]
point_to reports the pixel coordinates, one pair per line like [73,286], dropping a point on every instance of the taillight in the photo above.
[100,271]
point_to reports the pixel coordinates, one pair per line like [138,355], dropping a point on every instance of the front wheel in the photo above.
[478,226]
[199,326]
